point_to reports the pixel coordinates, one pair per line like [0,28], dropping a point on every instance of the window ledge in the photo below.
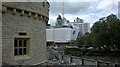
[21,57]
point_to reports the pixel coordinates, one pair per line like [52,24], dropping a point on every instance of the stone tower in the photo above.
[23,32]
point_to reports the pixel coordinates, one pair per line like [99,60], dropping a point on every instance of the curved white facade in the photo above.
[61,34]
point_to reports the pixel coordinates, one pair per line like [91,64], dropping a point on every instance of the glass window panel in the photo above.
[15,52]
[20,43]
[24,43]
[24,51]
[20,51]
[15,43]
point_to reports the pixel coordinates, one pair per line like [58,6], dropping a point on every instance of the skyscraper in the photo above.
[59,21]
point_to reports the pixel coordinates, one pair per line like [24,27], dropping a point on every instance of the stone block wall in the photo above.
[82,61]
[30,18]
[0,33]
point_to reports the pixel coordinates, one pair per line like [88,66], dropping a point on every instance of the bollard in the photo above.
[82,61]
[96,63]
[114,65]
[69,58]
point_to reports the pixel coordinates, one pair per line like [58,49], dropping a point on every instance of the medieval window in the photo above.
[20,46]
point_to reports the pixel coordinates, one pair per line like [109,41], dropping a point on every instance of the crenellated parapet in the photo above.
[28,11]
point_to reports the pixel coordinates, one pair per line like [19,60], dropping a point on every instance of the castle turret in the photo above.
[23,32]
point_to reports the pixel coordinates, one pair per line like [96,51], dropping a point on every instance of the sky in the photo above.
[88,10]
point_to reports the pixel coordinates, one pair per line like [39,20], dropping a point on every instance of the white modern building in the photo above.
[66,31]
[62,34]
[83,27]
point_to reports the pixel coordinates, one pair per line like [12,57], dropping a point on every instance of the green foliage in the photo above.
[75,51]
[106,31]
[49,43]
[83,40]
[86,52]
[72,51]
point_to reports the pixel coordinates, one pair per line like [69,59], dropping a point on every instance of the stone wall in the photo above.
[0,33]
[30,18]
[76,60]
[40,7]
[83,61]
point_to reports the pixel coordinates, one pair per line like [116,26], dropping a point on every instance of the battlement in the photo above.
[41,15]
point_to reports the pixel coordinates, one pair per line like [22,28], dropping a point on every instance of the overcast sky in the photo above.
[88,10]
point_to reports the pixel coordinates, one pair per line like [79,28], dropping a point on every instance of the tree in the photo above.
[84,40]
[106,32]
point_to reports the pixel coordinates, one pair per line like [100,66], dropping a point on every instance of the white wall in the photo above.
[49,34]
[61,34]
[83,27]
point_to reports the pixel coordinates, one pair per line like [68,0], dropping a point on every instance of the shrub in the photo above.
[72,51]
